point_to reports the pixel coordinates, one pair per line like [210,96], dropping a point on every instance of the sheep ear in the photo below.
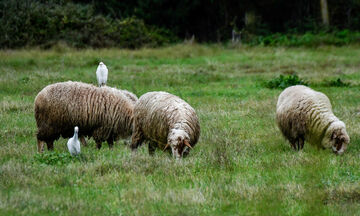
[187,144]
[167,145]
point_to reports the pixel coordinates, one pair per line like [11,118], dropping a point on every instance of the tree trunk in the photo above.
[324,12]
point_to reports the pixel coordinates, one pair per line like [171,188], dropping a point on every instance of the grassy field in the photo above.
[241,165]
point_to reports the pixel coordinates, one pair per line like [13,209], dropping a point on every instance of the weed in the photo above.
[283,82]
[57,158]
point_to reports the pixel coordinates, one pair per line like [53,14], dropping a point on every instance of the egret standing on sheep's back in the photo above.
[102,74]
[74,144]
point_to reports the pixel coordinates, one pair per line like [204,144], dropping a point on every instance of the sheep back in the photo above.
[156,113]
[98,112]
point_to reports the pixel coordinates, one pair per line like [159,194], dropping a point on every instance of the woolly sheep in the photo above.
[102,74]
[304,114]
[99,112]
[73,144]
[129,95]
[165,120]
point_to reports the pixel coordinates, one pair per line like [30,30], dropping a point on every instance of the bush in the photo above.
[33,23]
[57,158]
[53,158]
[283,82]
[308,39]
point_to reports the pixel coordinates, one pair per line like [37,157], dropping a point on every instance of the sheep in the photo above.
[165,120]
[73,144]
[129,95]
[304,114]
[102,74]
[99,112]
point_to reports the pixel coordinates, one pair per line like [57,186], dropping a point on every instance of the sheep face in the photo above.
[179,143]
[336,138]
[339,141]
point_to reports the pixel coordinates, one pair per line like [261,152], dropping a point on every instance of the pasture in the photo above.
[241,165]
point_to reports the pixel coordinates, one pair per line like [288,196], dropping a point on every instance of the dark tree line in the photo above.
[211,20]
[135,23]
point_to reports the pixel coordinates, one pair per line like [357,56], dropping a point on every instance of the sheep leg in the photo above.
[301,143]
[98,144]
[293,144]
[40,146]
[50,145]
[298,144]
[151,147]
[136,140]
[111,143]
[83,141]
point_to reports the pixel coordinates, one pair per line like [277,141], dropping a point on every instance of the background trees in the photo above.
[97,23]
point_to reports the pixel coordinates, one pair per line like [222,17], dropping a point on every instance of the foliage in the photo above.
[214,20]
[283,82]
[60,158]
[138,23]
[34,23]
[308,39]
[53,158]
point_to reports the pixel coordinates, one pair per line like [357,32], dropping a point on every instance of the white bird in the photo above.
[74,144]
[102,74]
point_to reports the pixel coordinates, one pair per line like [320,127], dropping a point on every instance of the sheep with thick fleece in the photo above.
[165,120]
[101,113]
[304,114]
[129,95]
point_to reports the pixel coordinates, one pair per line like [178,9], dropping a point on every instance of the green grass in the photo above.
[241,164]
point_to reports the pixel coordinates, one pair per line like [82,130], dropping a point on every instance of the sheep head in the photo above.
[337,137]
[178,140]
[340,141]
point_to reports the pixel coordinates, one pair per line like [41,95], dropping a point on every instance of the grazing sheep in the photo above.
[99,112]
[304,114]
[73,144]
[165,120]
[102,74]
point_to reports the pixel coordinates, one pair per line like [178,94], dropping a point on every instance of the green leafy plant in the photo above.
[53,158]
[282,81]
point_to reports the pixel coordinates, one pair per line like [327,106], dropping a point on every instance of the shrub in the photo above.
[32,23]
[53,158]
[56,158]
[283,82]
[308,39]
